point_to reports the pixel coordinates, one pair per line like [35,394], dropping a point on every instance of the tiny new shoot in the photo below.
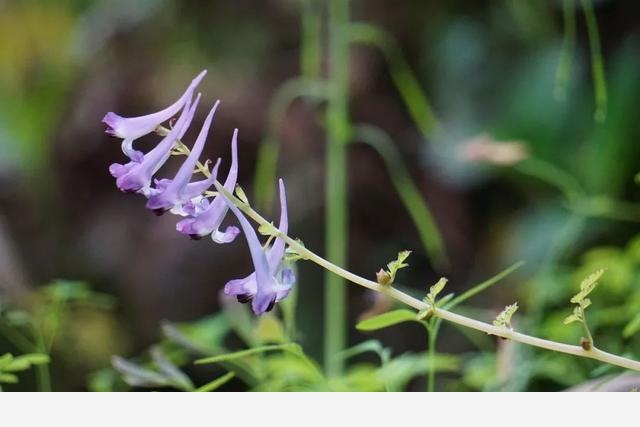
[582,302]
[387,277]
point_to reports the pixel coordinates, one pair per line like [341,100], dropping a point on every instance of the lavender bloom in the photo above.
[136,175]
[173,194]
[272,279]
[207,217]
[132,128]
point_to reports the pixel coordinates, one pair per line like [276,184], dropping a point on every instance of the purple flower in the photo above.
[206,217]
[272,279]
[132,128]
[173,194]
[136,175]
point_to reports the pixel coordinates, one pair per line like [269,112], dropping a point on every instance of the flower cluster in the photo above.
[203,210]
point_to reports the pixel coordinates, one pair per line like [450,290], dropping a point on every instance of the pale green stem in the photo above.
[449,316]
[440,313]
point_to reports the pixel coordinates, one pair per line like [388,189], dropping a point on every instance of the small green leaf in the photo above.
[504,318]
[241,194]
[435,290]
[267,229]
[292,255]
[575,317]
[25,361]
[386,319]
[8,378]
[5,360]
[586,286]
[387,277]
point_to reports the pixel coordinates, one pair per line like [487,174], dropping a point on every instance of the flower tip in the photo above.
[196,81]
[111,119]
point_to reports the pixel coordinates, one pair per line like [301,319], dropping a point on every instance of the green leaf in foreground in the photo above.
[217,383]
[386,319]
[292,347]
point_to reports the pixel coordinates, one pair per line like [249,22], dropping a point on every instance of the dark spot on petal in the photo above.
[244,298]
[271,305]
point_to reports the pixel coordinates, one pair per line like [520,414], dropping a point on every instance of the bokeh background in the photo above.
[487,68]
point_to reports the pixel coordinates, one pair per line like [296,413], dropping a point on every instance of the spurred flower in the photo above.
[207,216]
[136,175]
[173,194]
[272,279]
[132,128]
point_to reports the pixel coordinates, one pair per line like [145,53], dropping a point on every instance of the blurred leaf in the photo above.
[387,319]
[174,375]
[632,327]
[25,361]
[137,376]
[370,345]
[269,330]
[8,378]
[292,347]
[217,383]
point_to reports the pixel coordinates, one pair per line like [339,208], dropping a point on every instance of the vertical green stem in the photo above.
[311,40]
[597,64]
[568,46]
[432,330]
[337,120]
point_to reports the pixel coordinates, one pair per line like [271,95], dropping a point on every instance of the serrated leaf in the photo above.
[387,319]
[587,285]
[435,290]
[389,276]
[504,318]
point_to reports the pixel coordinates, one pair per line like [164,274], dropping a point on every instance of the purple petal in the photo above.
[131,128]
[277,250]
[208,221]
[228,236]
[138,175]
[244,289]
[266,293]
[174,194]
